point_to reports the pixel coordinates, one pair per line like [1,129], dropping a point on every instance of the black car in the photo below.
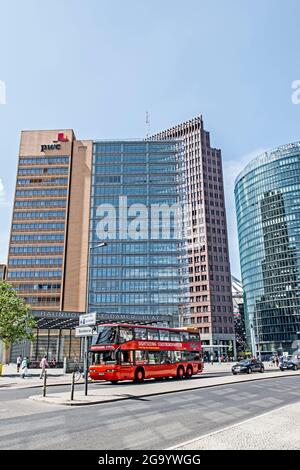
[248,366]
[289,363]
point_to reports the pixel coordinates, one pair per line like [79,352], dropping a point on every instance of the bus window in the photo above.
[105,357]
[174,336]
[184,336]
[185,356]
[164,335]
[141,357]
[125,334]
[106,335]
[166,357]
[195,356]
[194,337]
[177,356]
[126,357]
[140,333]
[154,357]
[153,335]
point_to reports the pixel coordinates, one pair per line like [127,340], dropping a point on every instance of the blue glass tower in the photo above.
[267,196]
[137,187]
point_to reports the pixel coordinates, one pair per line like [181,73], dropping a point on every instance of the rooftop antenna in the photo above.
[147,124]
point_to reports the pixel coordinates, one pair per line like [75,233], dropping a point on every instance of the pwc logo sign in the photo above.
[61,137]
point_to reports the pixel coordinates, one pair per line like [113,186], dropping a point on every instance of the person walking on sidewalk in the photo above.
[24,368]
[43,365]
[19,362]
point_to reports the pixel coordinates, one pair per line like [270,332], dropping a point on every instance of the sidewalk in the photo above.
[10,378]
[10,370]
[125,390]
[275,430]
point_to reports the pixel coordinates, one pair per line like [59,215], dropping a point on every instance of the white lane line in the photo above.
[200,438]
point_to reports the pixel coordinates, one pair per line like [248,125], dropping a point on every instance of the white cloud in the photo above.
[231,169]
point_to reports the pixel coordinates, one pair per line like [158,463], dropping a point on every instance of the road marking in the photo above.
[224,392]
[200,438]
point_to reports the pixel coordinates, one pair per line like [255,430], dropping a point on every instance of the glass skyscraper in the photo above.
[267,196]
[137,205]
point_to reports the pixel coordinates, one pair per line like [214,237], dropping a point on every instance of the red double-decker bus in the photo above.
[130,352]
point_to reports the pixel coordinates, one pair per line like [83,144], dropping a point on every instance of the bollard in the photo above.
[45,384]
[72,386]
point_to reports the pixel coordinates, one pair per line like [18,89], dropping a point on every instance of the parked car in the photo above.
[289,363]
[248,366]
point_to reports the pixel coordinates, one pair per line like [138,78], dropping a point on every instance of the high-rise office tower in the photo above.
[140,274]
[47,259]
[209,268]
[267,197]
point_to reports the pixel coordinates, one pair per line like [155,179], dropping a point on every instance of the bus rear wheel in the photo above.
[180,373]
[139,376]
[189,372]
[114,382]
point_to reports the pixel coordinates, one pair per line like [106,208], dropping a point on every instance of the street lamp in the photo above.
[100,245]
[253,344]
[86,365]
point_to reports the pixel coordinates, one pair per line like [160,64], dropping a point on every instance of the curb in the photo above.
[38,386]
[153,394]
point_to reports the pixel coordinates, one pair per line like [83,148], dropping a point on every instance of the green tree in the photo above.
[16,319]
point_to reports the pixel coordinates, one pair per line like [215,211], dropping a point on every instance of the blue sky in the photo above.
[96,66]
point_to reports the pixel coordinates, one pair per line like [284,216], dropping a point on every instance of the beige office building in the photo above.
[47,261]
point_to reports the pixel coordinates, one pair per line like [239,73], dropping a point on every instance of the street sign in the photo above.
[83,331]
[88,319]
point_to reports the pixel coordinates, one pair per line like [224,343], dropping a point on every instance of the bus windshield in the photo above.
[104,357]
[106,335]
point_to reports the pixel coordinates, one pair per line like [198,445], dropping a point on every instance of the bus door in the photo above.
[153,368]
[126,361]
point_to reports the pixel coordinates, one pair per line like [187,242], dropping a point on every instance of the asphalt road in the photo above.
[146,423]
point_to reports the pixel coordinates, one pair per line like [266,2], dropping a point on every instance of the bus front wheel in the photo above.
[114,382]
[139,376]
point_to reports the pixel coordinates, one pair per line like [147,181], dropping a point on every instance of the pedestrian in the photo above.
[54,362]
[219,359]
[212,359]
[43,365]
[277,361]
[19,362]
[274,361]
[24,368]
